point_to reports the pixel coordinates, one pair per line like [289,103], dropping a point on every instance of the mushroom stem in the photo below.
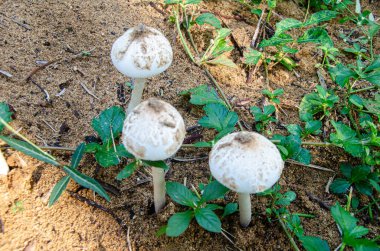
[159,189]
[138,88]
[4,168]
[244,209]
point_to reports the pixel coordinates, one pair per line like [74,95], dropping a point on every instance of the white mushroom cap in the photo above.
[141,52]
[246,162]
[154,130]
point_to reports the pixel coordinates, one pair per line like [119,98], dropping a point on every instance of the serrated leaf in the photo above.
[178,223]
[203,95]
[316,35]
[107,158]
[294,129]
[344,219]
[287,24]
[252,57]
[181,194]
[213,191]
[229,209]
[341,74]
[360,173]
[208,220]
[339,186]
[280,39]
[343,132]
[122,152]
[29,149]
[312,243]
[218,117]
[286,198]
[373,77]
[222,60]
[78,155]
[5,114]
[208,18]
[86,182]
[364,187]
[127,171]
[58,190]
[375,65]
[313,127]
[321,16]
[109,119]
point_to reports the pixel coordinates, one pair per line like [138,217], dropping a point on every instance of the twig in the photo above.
[327,188]
[5,73]
[256,34]
[189,159]
[88,91]
[98,206]
[318,200]
[154,6]
[129,241]
[51,127]
[25,26]
[310,165]
[37,69]
[47,96]
[292,242]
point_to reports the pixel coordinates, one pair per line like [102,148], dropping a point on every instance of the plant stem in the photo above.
[375,202]
[59,148]
[159,190]
[369,205]
[4,168]
[307,11]
[245,209]
[138,89]
[342,247]
[364,89]
[292,241]
[186,47]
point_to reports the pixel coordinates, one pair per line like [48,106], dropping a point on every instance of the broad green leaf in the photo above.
[294,129]
[341,74]
[321,16]
[316,35]
[343,132]
[213,191]
[208,18]
[286,198]
[375,65]
[5,114]
[357,101]
[313,127]
[373,105]
[111,119]
[312,243]
[208,220]
[339,186]
[364,187]
[92,147]
[158,164]
[29,149]
[218,117]
[373,77]
[107,158]
[280,39]
[252,57]
[203,95]
[222,60]
[181,194]
[58,190]
[365,245]
[127,171]
[86,182]
[272,4]
[178,223]
[287,24]
[345,220]
[193,1]
[213,207]
[78,155]
[360,173]
[230,208]
[122,152]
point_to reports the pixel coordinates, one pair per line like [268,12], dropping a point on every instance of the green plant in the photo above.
[199,208]
[263,117]
[351,233]
[17,207]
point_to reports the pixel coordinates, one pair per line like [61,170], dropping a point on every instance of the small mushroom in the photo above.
[4,168]
[153,131]
[246,162]
[140,53]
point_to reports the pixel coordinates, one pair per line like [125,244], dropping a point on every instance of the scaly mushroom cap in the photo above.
[154,130]
[246,162]
[141,52]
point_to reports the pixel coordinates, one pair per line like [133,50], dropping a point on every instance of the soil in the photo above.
[44,31]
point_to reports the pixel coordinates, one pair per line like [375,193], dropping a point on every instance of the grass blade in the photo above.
[58,190]
[78,155]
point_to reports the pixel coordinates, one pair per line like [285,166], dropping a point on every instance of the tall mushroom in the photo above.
[246,162]
[140,53]
[153,131]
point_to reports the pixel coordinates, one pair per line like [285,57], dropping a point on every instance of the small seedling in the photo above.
[17,207]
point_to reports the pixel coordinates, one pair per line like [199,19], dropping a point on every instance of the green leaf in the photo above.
[339,186]
[58,190]
[344,219]
[341,74]
[214,191]
[364,187]
[357,101]
[208,18]
[5,114]
[280,39]
[178,223]
[321,16]
[373,77]
[373,106]
[294,129]
[193,1]
[229,209]
[365,245]
[222,60]
[110,119]
[203,95]
[157,163]
[343,132]
[78,155]
[313,127]
[286,198]
[252,57]
[107,158]
[181,194]
[360,173]
[218,117]
[375,65]
[92,147]
[127,171]
[208,220]
[29,149]
[86,182]
[122,152]
[287,24]
[312,243]
[316,35]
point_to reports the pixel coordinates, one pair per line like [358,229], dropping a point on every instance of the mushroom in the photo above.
[246,162]
[4,168]
[153,131]
[140,53]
